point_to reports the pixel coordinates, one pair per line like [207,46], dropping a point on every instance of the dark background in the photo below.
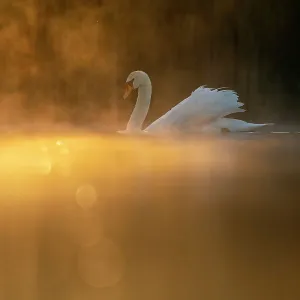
[68,59]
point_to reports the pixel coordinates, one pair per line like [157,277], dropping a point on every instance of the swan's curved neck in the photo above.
[141,108]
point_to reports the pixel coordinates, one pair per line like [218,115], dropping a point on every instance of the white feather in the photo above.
[232,125]
[204,105]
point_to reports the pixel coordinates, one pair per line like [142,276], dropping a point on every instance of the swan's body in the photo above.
[204,109]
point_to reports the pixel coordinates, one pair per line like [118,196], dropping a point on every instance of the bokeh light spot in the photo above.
[86,196]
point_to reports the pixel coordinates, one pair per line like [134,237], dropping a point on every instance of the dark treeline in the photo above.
[68,59]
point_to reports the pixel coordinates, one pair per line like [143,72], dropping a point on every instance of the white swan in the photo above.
[203,111]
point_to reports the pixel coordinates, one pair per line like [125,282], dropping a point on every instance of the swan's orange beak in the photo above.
[127,90]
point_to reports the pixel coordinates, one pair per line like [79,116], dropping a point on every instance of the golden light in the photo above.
[117,161]
[23,157]
[122,197]
[59,143]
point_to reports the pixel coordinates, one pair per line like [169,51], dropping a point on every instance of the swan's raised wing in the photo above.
[204,105]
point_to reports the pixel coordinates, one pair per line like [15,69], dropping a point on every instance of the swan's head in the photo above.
[135,80]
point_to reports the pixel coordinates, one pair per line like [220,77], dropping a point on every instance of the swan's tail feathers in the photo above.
[262,125]
[253,126]
[234,125]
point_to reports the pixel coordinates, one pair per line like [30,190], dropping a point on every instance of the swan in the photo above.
[203,111]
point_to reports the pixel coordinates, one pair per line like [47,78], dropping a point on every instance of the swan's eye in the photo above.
[130,83]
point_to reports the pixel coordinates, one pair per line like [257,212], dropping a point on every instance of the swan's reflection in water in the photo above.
[149,219]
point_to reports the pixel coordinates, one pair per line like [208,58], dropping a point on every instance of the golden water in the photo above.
[89,217]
